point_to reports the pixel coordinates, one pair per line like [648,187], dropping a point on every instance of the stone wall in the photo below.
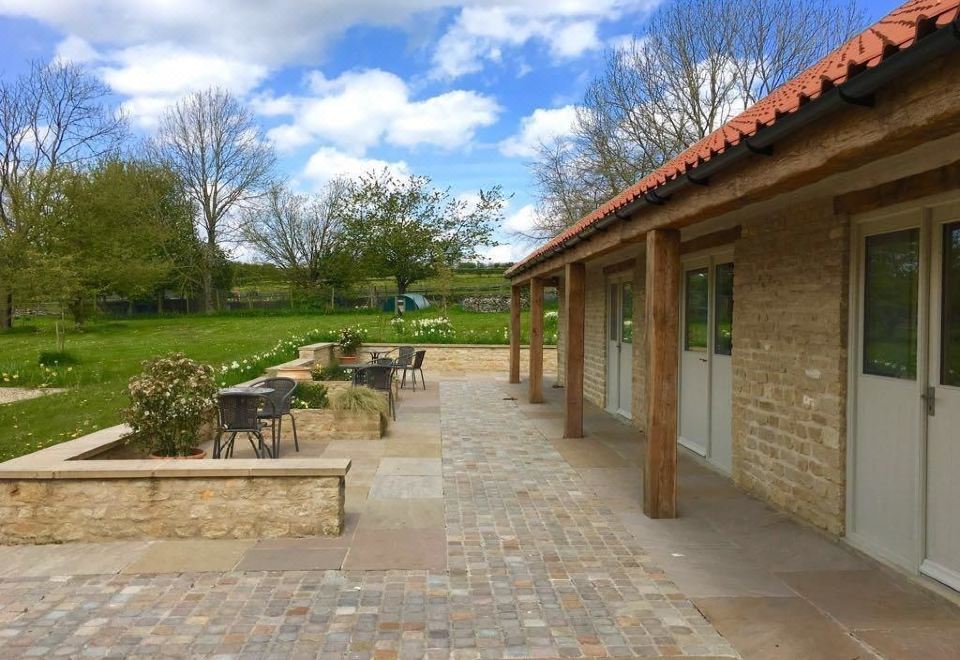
[789,361]
[465,359]
[595,338]
[325,424]
[62,510]
[639,385]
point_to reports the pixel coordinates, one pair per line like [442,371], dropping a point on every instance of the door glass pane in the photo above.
[723,328]
[614,321]
[950,334]
[696,308]
[627,315]
[891,265]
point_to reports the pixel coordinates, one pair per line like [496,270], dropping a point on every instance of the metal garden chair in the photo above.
[416,366]
[239,413]
[281,398]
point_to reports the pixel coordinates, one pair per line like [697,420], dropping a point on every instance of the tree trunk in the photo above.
[6,310]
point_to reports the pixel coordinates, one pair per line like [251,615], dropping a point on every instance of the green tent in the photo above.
[411,302]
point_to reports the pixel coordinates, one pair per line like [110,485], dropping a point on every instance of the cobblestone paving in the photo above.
[550,571]
[536,568]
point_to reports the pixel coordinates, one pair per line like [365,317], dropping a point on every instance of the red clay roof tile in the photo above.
[893,33]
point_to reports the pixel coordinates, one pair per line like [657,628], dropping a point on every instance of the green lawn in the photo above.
[109,352]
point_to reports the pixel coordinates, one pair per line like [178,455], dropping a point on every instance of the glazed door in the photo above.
[620,348]
[888,422]
[942,402]
[695,358]
[720,450]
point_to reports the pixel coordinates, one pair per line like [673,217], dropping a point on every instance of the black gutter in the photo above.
[858,90]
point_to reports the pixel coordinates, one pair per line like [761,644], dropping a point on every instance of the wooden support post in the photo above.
[515,334]
[575,281]
[663,327]
[536,340]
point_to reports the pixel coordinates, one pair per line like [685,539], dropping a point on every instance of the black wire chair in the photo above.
[378,377]
[281,397]
[404,356]
[416,366]
[240,413]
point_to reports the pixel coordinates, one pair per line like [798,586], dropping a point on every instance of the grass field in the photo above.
[106,354]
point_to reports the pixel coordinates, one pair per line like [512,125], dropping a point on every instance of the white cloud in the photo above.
[522,221]
[328,163]
[75,49]
[504,253]
[483,32]
[540,127]
[362,109]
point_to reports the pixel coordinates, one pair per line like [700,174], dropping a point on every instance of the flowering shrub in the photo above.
[169,402]
[349,339]
[310,395]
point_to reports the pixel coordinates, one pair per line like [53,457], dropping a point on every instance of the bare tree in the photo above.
[302,234]
[223,159]
[53,118]
[697,64]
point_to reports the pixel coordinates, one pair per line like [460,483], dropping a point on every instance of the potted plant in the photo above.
[349,340]
[171,403]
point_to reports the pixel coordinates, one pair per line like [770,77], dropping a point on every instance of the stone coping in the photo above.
[66,461]
[497,346]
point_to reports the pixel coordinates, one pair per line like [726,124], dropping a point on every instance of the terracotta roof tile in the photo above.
[893,33]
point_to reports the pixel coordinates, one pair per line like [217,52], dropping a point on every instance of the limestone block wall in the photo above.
[594,338]
[62,510]
[639,385]
[472,358]
[789,361]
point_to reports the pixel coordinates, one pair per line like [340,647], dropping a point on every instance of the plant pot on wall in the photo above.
[348,359]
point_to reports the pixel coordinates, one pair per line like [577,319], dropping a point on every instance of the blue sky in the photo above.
[459,90]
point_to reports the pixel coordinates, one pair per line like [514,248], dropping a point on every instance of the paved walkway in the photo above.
[504,540]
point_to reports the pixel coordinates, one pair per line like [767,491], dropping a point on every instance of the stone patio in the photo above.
[473,530]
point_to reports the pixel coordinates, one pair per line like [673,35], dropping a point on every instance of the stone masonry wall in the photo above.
[452,358]
[639,386]
[594,338]
[63,510]
[789,361]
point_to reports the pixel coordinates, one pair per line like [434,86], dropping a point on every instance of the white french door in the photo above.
[706,346]
[941,402]
[905,474]
[620,348]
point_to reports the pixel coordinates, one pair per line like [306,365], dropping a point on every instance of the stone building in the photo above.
[783,299]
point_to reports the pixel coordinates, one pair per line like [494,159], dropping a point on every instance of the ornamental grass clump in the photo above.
[170,401]
[358,400]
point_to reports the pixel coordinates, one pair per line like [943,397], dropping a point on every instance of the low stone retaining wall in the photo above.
[64,493]
[325,424]
[471,358]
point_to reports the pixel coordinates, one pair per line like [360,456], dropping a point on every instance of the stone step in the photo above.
[298,369]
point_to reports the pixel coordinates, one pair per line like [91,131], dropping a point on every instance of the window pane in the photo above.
[950,341]
[891,263]
[627,317]
[614,322]
[723,330]
[696,307]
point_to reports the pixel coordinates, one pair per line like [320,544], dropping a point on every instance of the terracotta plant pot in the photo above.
[348,359]
[197,453]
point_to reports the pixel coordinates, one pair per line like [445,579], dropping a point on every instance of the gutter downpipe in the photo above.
[854,91]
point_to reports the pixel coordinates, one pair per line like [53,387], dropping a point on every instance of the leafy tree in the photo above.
[407,229]
[113,229]
[54,119]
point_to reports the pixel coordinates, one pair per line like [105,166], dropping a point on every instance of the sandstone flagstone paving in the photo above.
[518,558]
